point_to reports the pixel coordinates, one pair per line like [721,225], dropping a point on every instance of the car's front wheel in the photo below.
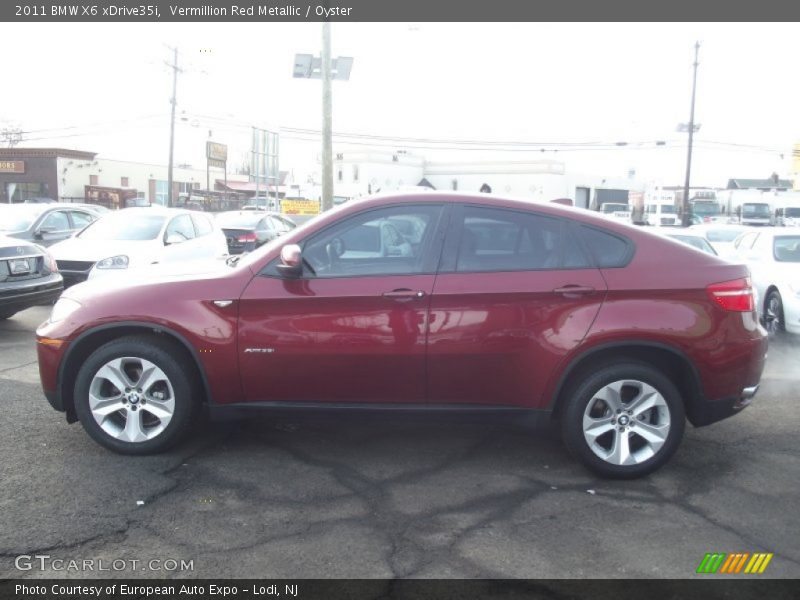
[136,395]
[624,420]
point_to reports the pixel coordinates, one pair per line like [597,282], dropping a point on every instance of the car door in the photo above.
[178,239]
[352,328]
[208,241]
[515,293]
[80,219]
[53,227]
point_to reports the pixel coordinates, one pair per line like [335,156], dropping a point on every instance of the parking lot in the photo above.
[390,496]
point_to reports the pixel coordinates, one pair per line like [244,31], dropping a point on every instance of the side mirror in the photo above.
[291,265]
[39,233]
[173,238]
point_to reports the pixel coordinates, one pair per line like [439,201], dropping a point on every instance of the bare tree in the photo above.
[11,135]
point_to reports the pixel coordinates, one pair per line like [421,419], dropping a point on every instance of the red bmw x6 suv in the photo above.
[429,302]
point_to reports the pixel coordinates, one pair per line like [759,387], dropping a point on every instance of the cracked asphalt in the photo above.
[377,496]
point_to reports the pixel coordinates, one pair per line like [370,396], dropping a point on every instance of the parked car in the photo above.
[500,305]
[788,216]
[720,235]
[39,200]
[45,224]
[246,230]
[696,241]
[773,255]
[138,237]
[28,276]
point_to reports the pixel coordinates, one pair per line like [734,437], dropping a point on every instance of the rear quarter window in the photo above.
[607,249]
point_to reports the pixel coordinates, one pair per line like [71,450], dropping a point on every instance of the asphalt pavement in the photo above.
[388,496]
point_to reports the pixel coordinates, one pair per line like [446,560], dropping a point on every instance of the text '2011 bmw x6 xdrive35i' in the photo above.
[427,302]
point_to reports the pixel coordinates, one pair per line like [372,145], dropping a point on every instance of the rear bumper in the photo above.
[30,293]
[710,411]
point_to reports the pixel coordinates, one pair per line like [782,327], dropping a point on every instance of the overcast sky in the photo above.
[525,82]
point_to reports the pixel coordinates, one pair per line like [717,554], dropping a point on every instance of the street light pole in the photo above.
[327,136]
[685,216]
[174,67]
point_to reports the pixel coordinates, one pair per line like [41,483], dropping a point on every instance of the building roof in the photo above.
[22,153]
[759,184]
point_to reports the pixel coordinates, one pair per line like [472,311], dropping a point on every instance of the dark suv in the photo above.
[424,302]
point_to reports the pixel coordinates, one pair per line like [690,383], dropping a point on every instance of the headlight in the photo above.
[114,262]
[63,308]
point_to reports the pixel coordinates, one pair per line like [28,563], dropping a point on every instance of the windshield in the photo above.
[755,210]
[610,208]
[238,220]
[722,235]
[786,248]
[705,208]
[792,212]
[18,218]
[121,226]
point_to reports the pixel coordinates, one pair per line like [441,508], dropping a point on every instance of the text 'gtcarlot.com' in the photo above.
[45,562]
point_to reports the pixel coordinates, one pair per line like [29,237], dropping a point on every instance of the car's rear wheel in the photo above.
[773,313]
[624,420]
[136,395]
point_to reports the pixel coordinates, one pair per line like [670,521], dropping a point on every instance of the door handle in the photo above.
[404,294]
[574,290]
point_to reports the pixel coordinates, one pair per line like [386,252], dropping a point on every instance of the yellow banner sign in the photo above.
[299,207]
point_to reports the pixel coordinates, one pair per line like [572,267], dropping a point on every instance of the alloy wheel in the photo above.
[773,314]
[626,422]
[131,399]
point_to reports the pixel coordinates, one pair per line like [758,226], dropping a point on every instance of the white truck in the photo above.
[660,212]
[616,211]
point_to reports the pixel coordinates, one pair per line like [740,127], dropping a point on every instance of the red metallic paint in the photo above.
[494,338]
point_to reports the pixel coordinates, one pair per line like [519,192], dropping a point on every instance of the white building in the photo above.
[367,172]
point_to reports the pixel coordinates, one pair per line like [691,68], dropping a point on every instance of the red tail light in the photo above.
[247,237]
[736,295]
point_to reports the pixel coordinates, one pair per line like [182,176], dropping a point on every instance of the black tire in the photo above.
[583,392]
[773,313]
[168,357]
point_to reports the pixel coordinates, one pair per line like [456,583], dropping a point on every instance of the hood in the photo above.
[75,248]
[169,271]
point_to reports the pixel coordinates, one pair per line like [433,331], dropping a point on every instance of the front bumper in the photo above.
[15,297]
[791,313]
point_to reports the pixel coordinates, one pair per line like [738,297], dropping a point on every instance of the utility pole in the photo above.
[173,101]
[327,143]
[685,217]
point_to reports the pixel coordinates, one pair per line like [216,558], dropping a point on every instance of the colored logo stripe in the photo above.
[711,562]
[758,563]
[721,562]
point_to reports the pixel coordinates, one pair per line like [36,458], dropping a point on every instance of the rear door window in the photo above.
[494,239]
